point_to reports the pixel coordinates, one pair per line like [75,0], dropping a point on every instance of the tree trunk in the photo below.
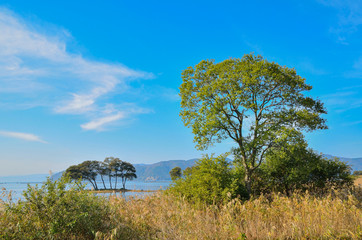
[248,181]
[115,186]
[110,181]
[96,184]
[104,185]
[124,183]
[94,187]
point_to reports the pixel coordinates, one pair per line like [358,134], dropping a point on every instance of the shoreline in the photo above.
[120,190]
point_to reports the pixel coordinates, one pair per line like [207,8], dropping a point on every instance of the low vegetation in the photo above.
[56,210]
[63,210]
[358,181]
[267,217]
[215,180]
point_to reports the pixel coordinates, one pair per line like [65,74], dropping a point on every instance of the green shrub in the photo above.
[210,180]
[297,168]
[56,210]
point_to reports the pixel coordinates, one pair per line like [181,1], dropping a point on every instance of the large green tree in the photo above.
[250,100]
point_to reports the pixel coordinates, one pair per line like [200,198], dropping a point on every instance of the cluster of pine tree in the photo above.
[111,168]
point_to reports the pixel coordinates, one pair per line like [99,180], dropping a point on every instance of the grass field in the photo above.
[358,181]
[296,217]
[72,214]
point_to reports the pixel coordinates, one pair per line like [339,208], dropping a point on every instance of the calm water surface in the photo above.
[17,188]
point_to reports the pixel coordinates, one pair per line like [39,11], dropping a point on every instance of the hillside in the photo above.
[156,171]
[355,163]
[160,170]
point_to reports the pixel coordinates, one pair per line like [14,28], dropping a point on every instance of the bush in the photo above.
[210,180]
[297,168]
[57,210]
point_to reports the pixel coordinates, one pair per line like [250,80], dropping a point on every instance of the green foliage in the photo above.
[111,167]
[294,167]
[127,172]
[86,170]
[57,210]
[124,170]
[211,180]
[357,173]
[175,173]
[250,100]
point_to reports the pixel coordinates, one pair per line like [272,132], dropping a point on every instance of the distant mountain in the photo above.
[161,170]
[152,172]
[156,171]
[57,175]
[355,163]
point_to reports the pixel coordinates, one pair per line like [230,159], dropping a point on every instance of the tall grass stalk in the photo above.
[57,212]
[296,217]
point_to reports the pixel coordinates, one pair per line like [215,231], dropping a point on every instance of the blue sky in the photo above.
[84,80]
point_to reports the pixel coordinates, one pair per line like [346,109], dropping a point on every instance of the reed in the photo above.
[337,215]
[301,216]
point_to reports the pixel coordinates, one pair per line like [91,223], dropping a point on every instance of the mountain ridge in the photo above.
[156,171]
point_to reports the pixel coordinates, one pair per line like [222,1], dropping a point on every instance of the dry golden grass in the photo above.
[297,217]
[161,216]
[358,181]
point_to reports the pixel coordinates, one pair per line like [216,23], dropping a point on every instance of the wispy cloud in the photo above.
[343,101]
[97,124]
[23,136]
[349,17]
[34,63]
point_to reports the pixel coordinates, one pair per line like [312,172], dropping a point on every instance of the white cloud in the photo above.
[98,124]
[39,67]
[23,136]
[111,114]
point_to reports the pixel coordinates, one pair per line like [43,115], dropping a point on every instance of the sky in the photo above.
[85,80]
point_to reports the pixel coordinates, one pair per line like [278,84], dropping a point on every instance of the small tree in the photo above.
[117,166]
[109,170]
[249,100]
[128,172]
[86,170]
[175,173]
[103,170]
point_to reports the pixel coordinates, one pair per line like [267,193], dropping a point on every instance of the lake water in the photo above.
[17,188]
